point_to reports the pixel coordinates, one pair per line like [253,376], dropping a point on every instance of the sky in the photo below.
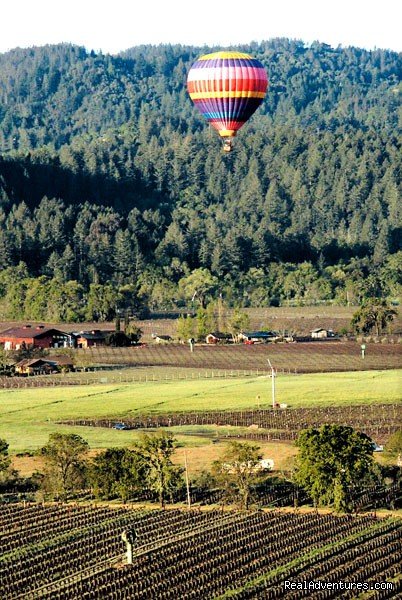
[120,24]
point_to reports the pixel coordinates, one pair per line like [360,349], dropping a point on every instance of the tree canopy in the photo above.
[332,461]
[113,191]
[64,459]
[237,470]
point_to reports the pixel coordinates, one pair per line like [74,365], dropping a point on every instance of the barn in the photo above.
[30,336]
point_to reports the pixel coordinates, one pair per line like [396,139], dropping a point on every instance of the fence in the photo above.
[47,381]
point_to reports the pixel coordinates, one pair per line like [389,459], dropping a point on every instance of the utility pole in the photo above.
[273,383]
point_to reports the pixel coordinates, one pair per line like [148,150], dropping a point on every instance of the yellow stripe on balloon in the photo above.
[224,55]
[227,132]
[244,94]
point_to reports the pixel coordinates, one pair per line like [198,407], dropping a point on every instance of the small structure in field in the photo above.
[264,464]
[161,339]
[218,338]
[320,333]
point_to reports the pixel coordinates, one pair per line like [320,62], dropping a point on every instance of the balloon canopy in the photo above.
[227,88]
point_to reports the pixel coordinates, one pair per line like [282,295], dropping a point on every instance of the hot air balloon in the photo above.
[227,88]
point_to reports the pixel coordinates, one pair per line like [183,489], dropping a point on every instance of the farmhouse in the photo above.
[43,366]
[89,339]
[218,337]
[30,336]
[33,366]
[258,336]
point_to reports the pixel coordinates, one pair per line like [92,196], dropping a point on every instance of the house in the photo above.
[89,339]
[43,366]
[258,336]
[33,366]
[30,336]
[218,338]
[162,339]
[321,333]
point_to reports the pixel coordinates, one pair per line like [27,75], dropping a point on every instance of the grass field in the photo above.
[29,416]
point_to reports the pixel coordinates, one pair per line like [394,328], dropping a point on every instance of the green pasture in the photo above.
[28,416]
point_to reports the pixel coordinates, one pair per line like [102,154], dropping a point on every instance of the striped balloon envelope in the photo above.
[227,88]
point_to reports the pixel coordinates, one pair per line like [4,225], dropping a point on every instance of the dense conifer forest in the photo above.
[114,192]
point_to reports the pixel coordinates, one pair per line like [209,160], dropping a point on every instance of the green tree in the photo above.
[133,331]
[162,476]
[237,471]
[333,460]
[186,327]
[375,314]
[393,448]
[5,460]
[64,456]
[117,472]
[198,286]
[5,360]
[207,320]
[117,339]
[237,322]
[391,274]
[102,301]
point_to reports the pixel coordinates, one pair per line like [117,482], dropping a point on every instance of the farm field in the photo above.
[303,357]
[28,416]
[378,421]
[176,362]
[191,554]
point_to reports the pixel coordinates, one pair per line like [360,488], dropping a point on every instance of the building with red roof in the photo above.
[30,336]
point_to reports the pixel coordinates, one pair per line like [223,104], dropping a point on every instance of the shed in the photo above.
[320,332]
[162,339]
[217,337]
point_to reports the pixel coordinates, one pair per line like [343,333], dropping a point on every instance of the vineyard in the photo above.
[303,357]
[65,552]
[174,362]
[378,421]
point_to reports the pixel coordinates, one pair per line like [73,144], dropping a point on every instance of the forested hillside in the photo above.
[113,190]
